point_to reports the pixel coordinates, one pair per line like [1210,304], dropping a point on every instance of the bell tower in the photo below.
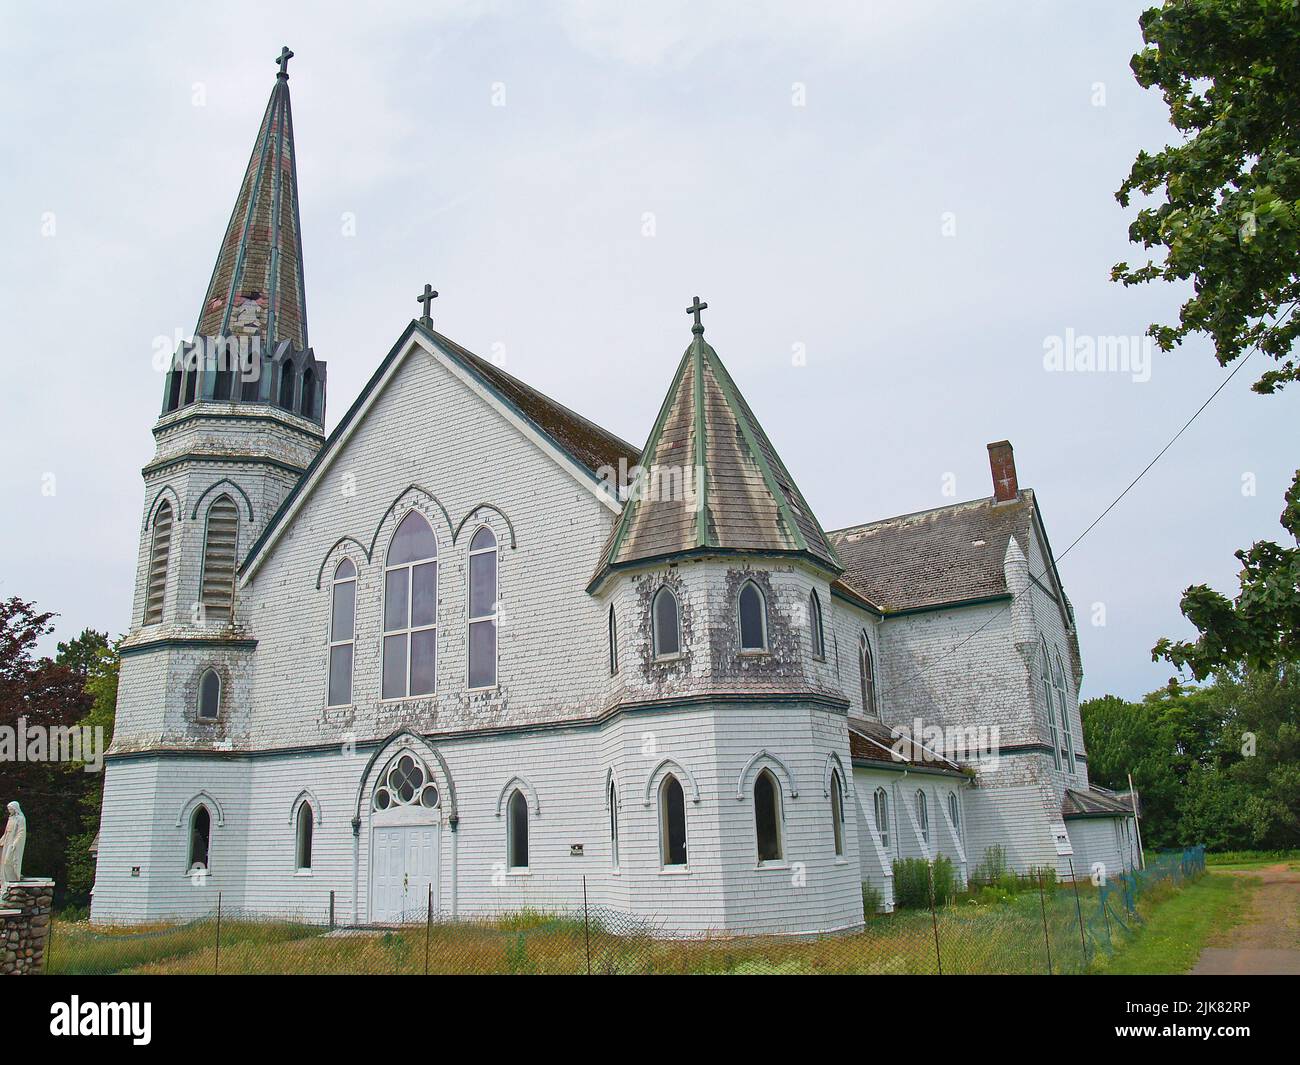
[242,417]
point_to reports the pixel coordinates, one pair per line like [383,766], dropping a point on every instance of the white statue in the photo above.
[12,845]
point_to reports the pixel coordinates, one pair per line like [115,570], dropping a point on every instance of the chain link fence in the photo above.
[1018,925]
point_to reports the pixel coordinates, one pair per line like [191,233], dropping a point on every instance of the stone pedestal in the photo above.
[25,926]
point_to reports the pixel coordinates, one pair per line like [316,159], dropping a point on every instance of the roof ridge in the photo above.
[1022,496]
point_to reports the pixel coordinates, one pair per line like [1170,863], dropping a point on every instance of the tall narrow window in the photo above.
[753,618]
[767,816]
[343,609]
[200,837]
[612,798]
[1062,709]
[1049,715]
[220,541]
[309,393]
[672,822]
[923,815]
[287,384]
[517,830]
[882,816]
[483,609]
[667,640]
[410,610]
[210,695]
[613,641]
[173,390]
[191,382]
[156,580]
[305,829]
[837,812]
[954,811]
[815,625]
[867,666]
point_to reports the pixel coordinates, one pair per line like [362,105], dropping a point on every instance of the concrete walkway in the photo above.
[1267,942]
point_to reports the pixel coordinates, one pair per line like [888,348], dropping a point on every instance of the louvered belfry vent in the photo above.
[219,546]
[156,589]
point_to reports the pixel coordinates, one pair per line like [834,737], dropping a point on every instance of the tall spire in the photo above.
[257,285]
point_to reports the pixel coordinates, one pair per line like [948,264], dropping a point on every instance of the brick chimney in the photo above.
[1002,464]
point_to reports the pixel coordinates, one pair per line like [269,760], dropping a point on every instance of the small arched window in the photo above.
[867,666]
[191,382]
[954,812]
[753,618]
[343,609]
[767,816]
[817,632]
[483,609]
[667,634]
[220,543]
[309,393]
[287,385]
[200,837]
[173,390]
[611,797]
[837,812]
[1062,709]
[410,610]
[923,815]
[613,641]
[159,548]
[1049,715]
[209,695]
[881,804]
[306,825]
[672,822]
[517,830]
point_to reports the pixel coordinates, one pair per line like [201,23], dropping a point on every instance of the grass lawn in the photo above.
[1239,860]
[1177,926]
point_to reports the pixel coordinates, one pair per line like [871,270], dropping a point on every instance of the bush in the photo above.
[993,867]
[945,880]
[871,900]
[911,884]
[1044,874]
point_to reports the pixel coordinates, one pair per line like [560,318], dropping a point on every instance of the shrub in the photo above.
[945,880]
[911,883]
[993,866]
[871,900]
[1045,875]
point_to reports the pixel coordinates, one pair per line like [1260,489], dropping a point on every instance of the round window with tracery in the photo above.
[406,784]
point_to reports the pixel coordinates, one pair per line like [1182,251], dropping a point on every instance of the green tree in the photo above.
[101,687]
[1227,218]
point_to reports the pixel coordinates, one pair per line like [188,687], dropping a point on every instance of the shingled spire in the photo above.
[711,480]
[257,286]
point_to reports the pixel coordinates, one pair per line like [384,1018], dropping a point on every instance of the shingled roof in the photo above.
[872,742]
[256,287]
[949,555]
[713,480]
[1092,803]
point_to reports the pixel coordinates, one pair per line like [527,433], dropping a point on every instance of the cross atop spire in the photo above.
[695,308]
[426,297]
[283,60]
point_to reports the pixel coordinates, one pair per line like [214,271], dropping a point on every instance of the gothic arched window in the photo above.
[405,782]
[672,822]
[815,628]
[483,609]
[209,695]
[287,384]
[309,393]
[343,606]
[517,830]
[1049,710]
[881,804]
[305,827]
[611,797]
[613,641]
[954,812]
[867,666]
[767,816]
[1062,709]
[753,618]
[410,610]
[156,579]
[666,623]
[200,837]
[837,812]
[923,815]
[220,542]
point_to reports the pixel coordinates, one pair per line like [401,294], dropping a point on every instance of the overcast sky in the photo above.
[915,197]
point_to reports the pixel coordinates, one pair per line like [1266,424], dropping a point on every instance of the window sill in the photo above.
[393,699]
[303,872]
[674,870]
[675,656]
[520,871]
[778,864]
[485,688]
[754,652]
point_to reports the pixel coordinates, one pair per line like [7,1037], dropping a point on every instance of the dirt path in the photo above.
[1268,940]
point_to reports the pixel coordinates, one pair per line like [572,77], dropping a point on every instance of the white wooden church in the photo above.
[456,654]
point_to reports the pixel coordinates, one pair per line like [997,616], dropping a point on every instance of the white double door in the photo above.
[404,870]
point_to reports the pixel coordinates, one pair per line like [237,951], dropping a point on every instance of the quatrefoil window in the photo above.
[406,784]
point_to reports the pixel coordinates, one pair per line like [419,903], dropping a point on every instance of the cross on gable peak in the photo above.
[426,298]
[283,60]
[694,309]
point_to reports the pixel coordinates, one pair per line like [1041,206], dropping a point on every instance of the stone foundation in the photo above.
[25,926]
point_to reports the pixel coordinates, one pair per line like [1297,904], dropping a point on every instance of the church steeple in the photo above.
[257,283]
